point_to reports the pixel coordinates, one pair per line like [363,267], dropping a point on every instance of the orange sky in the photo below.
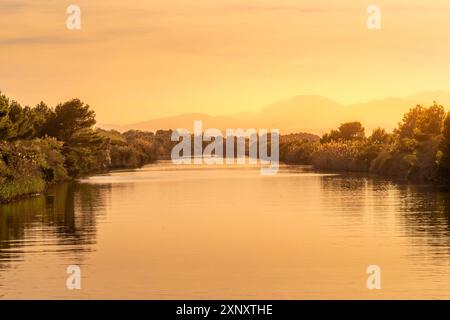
[141,59]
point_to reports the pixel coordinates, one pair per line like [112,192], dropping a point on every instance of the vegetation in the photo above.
[133,148]
[42,145]
[297,148]
[418,150]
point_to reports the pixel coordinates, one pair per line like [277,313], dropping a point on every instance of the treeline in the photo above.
[42,145]
[417,150]
[298,148]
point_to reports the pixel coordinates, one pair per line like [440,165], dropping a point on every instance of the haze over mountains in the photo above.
[303,113]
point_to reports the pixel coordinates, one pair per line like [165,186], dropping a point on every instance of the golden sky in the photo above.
[140,59]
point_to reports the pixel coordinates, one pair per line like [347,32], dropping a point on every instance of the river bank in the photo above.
[41,146]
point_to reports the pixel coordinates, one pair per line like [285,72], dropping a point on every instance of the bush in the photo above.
[393,164]
[125,157]
[27,166]
[340,155]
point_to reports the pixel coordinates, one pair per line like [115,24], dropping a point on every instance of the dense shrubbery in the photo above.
[42,145]
[418,150]
[298,147]
[416,147]
[27,166]
[348,149]
[339,155]
[134,148]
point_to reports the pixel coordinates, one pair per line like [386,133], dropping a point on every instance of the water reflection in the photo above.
[422,211]
[425,213]
[62,220]
[195,233]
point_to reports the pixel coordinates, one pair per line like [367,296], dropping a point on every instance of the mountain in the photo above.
[442,97]
[385,113]
[182,121]
[303,113]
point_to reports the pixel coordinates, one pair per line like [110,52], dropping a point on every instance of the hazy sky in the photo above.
[141,59]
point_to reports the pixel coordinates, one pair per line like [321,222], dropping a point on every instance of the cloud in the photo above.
[10,7]
[77,37]
[44,40]
[262,8]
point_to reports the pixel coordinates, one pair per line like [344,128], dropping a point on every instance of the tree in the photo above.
[87,151]
[421,123]
[5,122]
[15,121]
[430,122]
[69,118]
[42,115]
[380,136]
[22,120]
[349,131]
[408,124]
[22,123]
[418,139]
[352,131]
[72,123]
[334,135]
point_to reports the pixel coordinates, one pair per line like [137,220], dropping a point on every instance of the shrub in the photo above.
[340,155]
[27,166]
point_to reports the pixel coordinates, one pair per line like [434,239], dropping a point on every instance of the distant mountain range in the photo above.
[303,113]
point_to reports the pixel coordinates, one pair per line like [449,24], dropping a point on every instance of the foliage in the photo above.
[43,145]
[339,155]
[298,147]
[135,148]
[27,166]
[417,150]
[349,131]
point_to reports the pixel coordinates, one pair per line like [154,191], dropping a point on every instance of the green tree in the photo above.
[42,115]
[409,122]
[334,135]
[380,136]
[5,122]
[349,131]
[70,117]
[430,122]
[86,152]
[421,123]
[72,122]
[352,131]
[22,122]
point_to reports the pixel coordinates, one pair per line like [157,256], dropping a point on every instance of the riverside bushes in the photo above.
[43,145]
[134,148]
[26,167]
[418,150]
[298,148]
[339,155]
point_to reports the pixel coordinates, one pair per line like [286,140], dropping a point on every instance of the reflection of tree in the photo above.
[64,218]
[352,182]
[344,195]
[426,216]
[422,213]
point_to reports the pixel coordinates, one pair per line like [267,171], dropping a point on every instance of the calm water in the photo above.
[177,232]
